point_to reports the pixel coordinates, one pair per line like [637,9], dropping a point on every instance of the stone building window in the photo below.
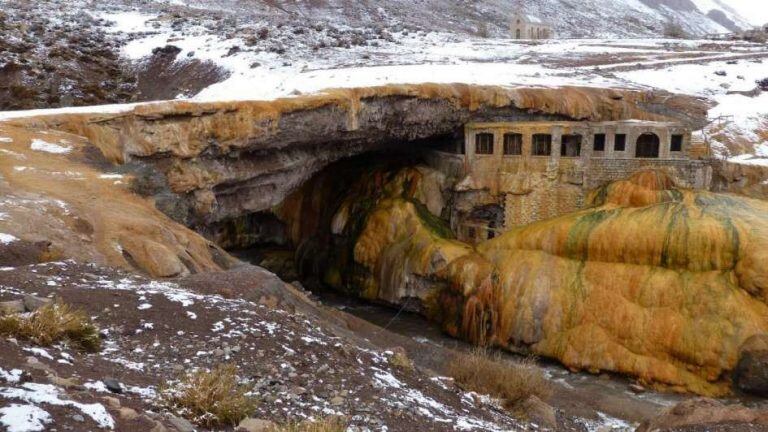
[647,146]
[571,146]
[621,143]
[542,145]
[599,143]
[484,143]
[513,144]
[677,143]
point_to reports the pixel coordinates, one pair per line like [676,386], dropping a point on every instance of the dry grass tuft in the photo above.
[51,324]
[511,381]
[400,360]
[330,424]
[212,399]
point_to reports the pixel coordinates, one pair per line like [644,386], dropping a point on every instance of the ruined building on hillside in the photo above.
[530,27]
[514,173]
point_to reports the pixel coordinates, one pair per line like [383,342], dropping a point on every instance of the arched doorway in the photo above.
[647,146]
[518,34]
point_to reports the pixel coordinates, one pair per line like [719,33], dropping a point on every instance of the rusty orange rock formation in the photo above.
[651,281]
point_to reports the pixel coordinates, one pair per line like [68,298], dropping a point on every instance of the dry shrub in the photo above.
[211,399]
[53,323]
[330,424]
[400,360]
[511,381]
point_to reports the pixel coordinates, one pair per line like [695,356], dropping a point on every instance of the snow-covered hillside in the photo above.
[583,18]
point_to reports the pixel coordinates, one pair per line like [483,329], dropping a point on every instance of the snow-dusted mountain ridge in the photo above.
[571,18]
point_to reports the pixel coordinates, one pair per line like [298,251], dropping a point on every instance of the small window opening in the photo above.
[571,146]
[621,143]
[513,144]
[677,143]
[484,143]
[599,143]
[542,145]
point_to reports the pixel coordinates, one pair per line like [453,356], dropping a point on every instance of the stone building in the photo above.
[514,173]
[530,27]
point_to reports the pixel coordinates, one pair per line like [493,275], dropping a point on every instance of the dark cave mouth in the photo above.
[269,238]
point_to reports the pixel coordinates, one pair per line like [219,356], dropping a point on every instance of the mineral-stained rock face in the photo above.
[58,203]
[651,281]
[224,160]
[656,282]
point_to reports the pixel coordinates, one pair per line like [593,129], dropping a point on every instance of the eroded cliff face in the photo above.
[210,162]
[656,282]
[57,192]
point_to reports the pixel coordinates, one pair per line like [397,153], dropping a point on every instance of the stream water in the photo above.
[606,401]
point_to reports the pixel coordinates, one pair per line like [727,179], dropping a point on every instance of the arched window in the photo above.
[647,146]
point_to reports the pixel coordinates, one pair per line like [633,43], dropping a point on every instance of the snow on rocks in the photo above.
[24,418]
[45,146]
[13,376]
[34,393]
[297,367]
[7,238]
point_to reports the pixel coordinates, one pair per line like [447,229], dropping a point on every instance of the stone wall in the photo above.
[692,174]
[536,188]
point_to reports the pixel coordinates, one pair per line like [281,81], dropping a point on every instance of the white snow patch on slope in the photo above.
[12,376]
[127,22]
[24,418]
[48,394]
[45,146]
[7,238]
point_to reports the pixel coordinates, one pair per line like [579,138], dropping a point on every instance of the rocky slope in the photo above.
[300,366]
[613,18]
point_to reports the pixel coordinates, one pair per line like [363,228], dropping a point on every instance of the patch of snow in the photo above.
[45,146]
[40,352]
[127,22]
[96,386]
[13,376]
[24,418]
[110,176]
[144,306]
[7,238]
[34,393]
[6,140]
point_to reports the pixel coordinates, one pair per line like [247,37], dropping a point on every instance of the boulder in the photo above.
[113,385]
[704,414]
[11,307]
[180,424]
[751,373]
[537,411]
[33,303]
[255,425]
